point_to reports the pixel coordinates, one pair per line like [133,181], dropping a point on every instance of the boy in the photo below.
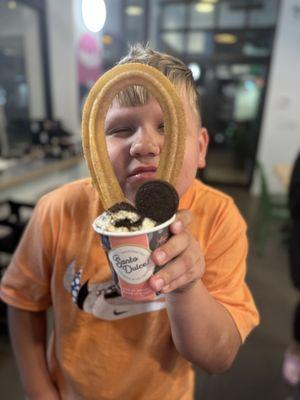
[103,347]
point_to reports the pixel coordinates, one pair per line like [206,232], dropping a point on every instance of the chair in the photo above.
[12,225]
[270,208]
[11,217]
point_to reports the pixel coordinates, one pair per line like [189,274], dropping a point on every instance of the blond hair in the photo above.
[173,68]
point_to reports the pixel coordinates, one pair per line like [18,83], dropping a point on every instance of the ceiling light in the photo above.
[204,7]
[134,11]
[93,14]
[225,38]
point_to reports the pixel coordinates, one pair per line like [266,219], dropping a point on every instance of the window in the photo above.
[173,42]
[200,43]
[202,15]
[22,96]
[135,21]
[232,14]
[173,16]
[264,14]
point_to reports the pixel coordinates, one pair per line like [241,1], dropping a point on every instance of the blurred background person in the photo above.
[291,364]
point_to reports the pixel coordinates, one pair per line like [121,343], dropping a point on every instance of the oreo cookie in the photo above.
[123,206]
[157,199]
[126,222]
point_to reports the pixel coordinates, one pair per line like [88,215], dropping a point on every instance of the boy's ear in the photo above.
[203,140]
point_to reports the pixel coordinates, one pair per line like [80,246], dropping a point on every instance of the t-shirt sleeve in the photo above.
[26,282]
[225,257]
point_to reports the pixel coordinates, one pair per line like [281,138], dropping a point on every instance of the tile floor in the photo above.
[256,373]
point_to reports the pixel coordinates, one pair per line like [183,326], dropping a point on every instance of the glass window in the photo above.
[265,14]
[135,25]
[228,42]
[232,14]
[173,42]
[233,121]
[258,43]
[173,16]
[200,43]
[21,75]
[202,15]
[248,43]
[154,22]
[113,41]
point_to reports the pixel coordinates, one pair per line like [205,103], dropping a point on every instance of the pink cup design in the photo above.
[128,254]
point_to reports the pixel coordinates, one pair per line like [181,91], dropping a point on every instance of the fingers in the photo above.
[183,219]
[172,248]
[180,284]
[176,244]
[181,257]
[181,271]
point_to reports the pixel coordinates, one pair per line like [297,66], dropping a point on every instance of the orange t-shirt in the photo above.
[102,346]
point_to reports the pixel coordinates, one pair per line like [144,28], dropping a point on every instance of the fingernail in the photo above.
[160,256]
[159,283]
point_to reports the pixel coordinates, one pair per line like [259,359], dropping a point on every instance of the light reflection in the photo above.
[94,14]
[204,7]
[134,11]
[196,70]
[12,4]
[225,38]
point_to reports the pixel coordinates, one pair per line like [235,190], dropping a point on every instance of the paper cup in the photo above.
[128,254]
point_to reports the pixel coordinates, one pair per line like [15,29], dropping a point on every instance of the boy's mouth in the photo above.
[142,173]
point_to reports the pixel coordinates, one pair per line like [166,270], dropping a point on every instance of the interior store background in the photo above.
[245,58]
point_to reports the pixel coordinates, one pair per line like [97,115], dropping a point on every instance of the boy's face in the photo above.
[135,138]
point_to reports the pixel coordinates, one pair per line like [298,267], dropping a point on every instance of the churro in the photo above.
[93,120]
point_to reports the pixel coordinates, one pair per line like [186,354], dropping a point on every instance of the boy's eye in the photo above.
[120,131]
[161,127]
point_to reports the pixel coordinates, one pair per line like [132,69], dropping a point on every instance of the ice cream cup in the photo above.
[128,254]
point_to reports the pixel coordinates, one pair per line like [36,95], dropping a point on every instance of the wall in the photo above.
[33,64]
[280,134]
[63,72]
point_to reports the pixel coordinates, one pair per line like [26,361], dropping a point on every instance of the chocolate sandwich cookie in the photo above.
[126,222]
[157,199]
[122,206]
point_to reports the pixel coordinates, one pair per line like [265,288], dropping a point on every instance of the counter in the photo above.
[29,180]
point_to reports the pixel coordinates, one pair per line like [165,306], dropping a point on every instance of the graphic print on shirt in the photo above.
[103,300]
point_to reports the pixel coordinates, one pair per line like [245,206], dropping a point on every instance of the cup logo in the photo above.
[132,263]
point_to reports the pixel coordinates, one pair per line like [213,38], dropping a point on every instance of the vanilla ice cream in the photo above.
[123,217]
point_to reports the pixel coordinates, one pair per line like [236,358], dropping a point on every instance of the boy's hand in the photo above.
[48,395]
[182,254]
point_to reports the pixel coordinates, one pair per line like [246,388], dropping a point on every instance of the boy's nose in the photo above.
[146,143]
